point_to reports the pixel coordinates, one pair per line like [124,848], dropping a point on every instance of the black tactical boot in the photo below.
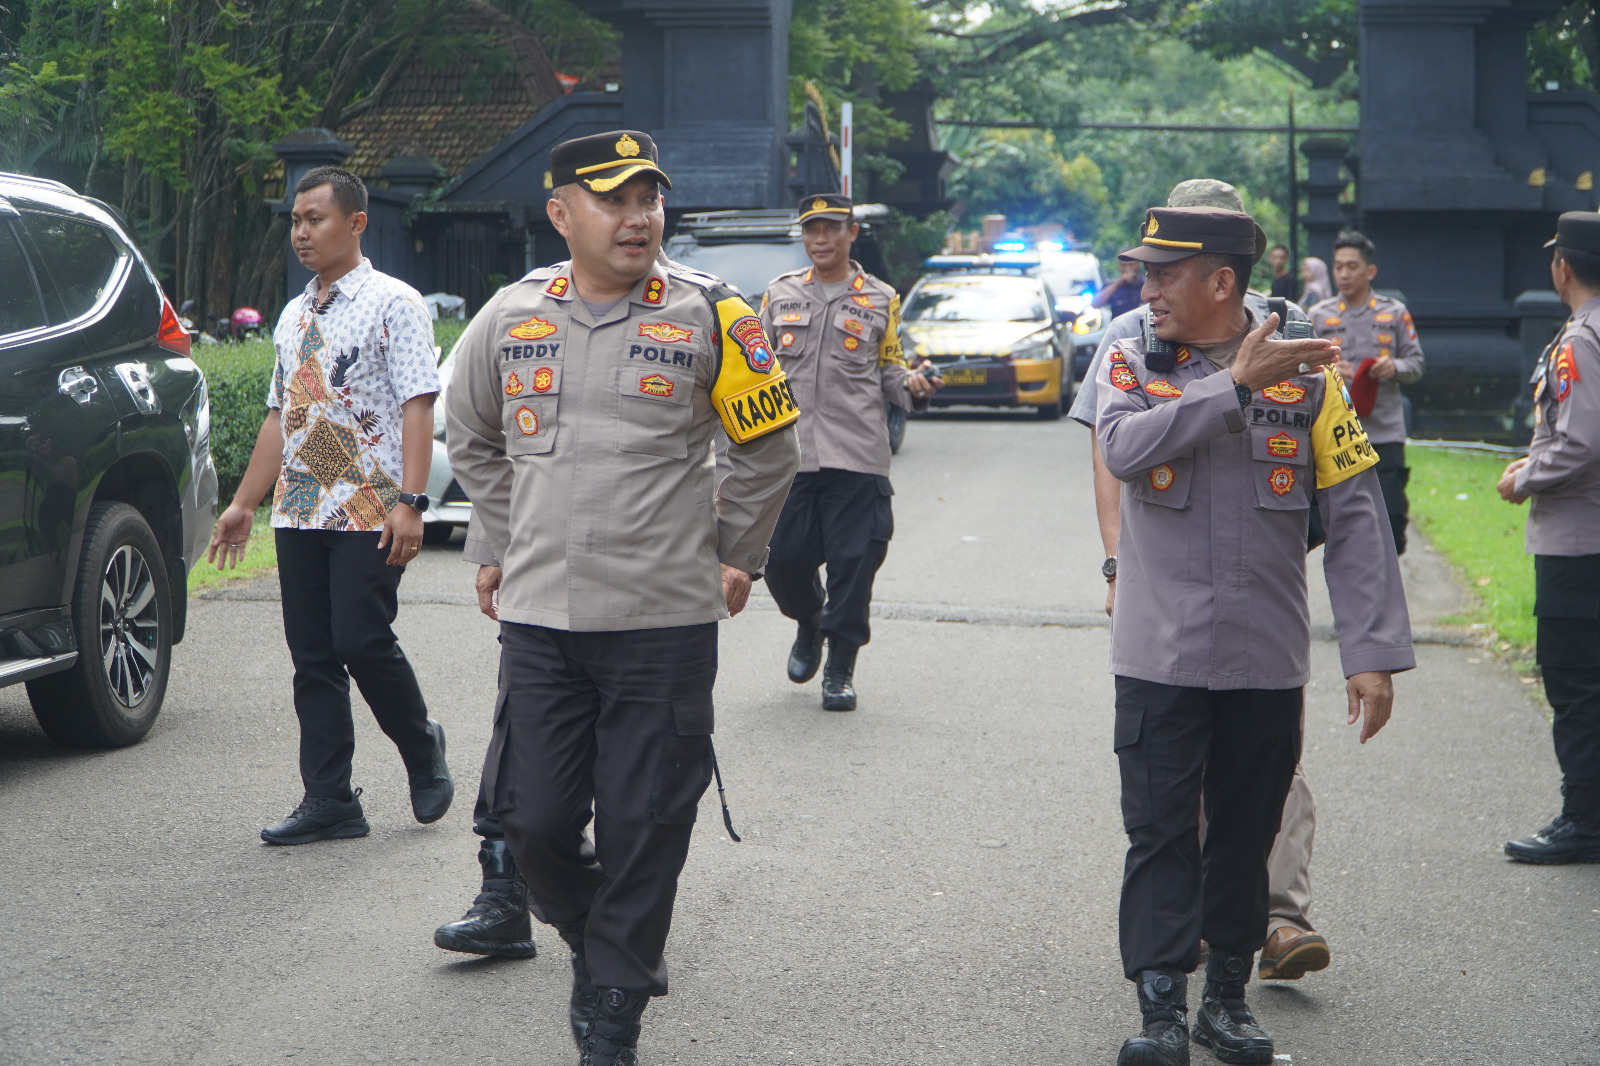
[838,677]
[580,1010]
[1574,836]
[806,654]
[320,818]
[613,1037]
[1164,1039]
[1223,1023]
[497,922]
[432,788]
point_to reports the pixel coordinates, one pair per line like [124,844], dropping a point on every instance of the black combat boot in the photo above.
[1574,836]
[838,677]
[613,1038]
[1223,1023]
[498,922]
[1164,1039]
[806,654]
[580,1010]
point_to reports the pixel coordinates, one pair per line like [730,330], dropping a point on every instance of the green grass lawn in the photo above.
[1454,503]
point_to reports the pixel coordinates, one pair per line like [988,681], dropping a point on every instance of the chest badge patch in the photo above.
[786,340]
[1161,478]
[850,343]
[1566,372]
[657,385]
[792,316]
[543,378]
[752,341]
[1332,320]
[665,332]
[1284,392]
[1386,338]
[513,385]
[1281,480]
[1283,446]
[557,287]
[653,291]
[527,421]
[853,325]
[864,301]
[1163,388]
[533,329]
[1383,316]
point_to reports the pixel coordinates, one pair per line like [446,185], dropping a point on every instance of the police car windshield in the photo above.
[988,299]
[748,267]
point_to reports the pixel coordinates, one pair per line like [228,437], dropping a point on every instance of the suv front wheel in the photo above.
[122,617]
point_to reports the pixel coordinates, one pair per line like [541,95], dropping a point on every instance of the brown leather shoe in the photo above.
[1290,954]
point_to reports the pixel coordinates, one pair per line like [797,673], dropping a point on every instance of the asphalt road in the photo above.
[930,880]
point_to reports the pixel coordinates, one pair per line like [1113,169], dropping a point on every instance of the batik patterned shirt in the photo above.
[343,371]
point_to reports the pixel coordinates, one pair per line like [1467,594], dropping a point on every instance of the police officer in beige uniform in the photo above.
[1561,474]
[1294,947]
[1381,353]
[1219,435]
[838,330]
[580,418]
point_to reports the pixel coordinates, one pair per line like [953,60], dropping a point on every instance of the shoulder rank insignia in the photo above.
[806,277]
[1164,388]
[665,332]
[1184,355]
[1283,446]
[1281,480]
[850,343]
[860,282]
[534,328]
[1161,478]
[543,378]
[513,385]
[657,385]
[1566,372]
[652,291]
[1121,375]
[864,301]
[752,340]
[1284,392]
[557,287]
[527,421]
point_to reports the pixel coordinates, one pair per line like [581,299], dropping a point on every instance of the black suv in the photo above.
[747,249]
[107,490]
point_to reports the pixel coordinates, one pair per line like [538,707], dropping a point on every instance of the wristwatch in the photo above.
[418,502]
[1243,393]
[1108,569]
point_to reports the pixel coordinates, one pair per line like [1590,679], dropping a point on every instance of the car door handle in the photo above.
[77,383]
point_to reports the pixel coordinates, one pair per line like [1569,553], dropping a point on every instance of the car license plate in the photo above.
[966,377]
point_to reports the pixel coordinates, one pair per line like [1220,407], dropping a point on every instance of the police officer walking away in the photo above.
[1381,353]
[838,330]
[580,419]
[1561,474]
[1219,434]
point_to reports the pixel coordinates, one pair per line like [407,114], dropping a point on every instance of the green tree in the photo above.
[1023,175]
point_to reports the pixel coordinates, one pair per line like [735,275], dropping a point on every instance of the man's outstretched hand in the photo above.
[1371,698]
[1263,361]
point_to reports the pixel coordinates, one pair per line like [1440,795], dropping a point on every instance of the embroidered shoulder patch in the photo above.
[748,333]
[1566,372]
[1164,388]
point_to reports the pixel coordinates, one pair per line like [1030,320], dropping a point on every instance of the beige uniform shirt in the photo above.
[585,447]
[1379,329]
[1211,582]
[1563,470]
[844,362]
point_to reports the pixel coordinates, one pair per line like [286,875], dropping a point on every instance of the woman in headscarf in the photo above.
[1314,272]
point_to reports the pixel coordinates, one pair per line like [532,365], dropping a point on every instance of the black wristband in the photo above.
[1243,393]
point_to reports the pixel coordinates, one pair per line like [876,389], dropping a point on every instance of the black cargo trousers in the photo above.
[1242,746]
[615,728]
[1567,605]
[841,519]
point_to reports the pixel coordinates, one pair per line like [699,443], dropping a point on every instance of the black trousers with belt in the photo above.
[1567,603]
[841,518]
[1242,747]
[340,599]
[613,728]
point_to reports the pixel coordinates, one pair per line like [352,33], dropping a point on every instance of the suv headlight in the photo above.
[1033,351]
[1088,320]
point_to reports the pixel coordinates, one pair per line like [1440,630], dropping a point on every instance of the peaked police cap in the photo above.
[603,161]
[1173,233]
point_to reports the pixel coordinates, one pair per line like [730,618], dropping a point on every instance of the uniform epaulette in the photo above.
[694,277]
[544,273]
[790,274]
[1319,303]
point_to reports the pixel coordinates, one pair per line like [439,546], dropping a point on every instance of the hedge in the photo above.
[238,376]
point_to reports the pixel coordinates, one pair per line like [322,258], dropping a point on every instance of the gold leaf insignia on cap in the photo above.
[627,146]
[1154,225]
[819,204]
